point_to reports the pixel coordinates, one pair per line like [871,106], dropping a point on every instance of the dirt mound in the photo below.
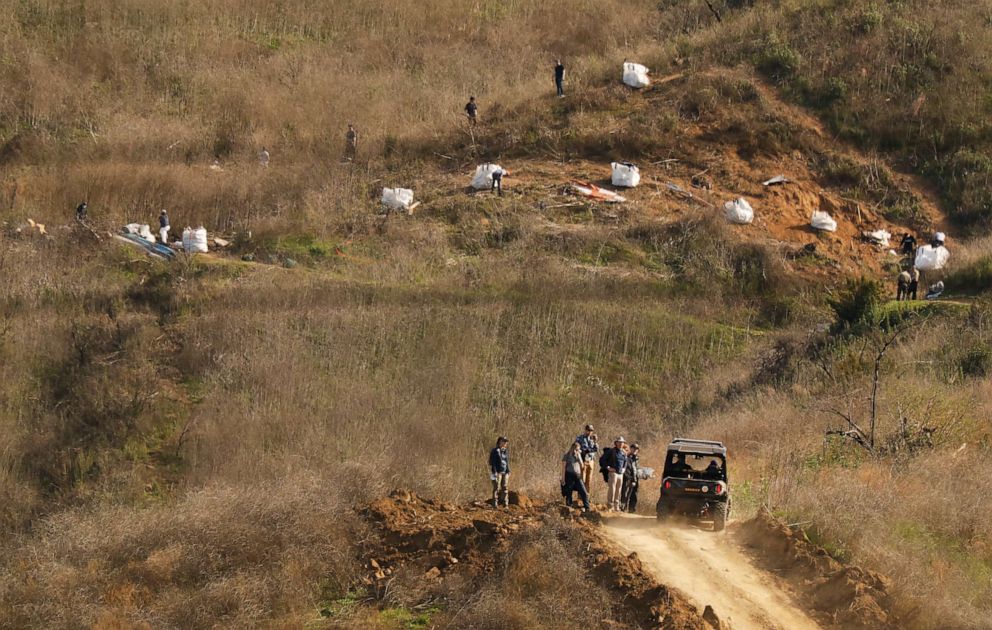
[842,596]
[438,540]
[658,605]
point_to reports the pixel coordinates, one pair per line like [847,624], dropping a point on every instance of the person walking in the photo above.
[914,283]
[351,143]
[163,226]
[81,211]
[499,471]
[616,464]
[472,110]
[571,476]
[631,481]
[560,78]
[587,441]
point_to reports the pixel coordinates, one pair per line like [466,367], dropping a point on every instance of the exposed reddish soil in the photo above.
[438,540]
[847,597]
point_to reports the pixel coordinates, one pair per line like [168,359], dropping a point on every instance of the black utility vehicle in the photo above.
[694,482]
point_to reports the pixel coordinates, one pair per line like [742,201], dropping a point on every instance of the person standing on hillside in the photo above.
[560,78]
[163,226]
[472,111]
[587,441]
[263,157]
[81,211]
[914,283]
[351,143]
[616,464]
[499,472]
[907,244]
[571,476]
[631,481]
[902,286]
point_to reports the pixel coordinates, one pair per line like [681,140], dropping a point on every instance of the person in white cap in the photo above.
[163,226]
[616,463]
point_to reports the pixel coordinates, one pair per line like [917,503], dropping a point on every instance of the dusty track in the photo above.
[712,571]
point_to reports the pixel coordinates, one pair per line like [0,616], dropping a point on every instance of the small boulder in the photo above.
[520,499]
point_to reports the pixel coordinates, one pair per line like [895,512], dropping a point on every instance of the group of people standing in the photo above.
[908,281]
[619,465]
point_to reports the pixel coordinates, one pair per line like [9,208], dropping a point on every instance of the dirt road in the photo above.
[711,570]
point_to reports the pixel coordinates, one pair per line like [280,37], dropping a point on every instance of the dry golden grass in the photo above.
[283,397]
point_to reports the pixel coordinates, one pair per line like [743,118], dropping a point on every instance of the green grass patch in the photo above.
[408,619]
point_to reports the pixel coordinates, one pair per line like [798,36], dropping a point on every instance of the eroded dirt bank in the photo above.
[760,574]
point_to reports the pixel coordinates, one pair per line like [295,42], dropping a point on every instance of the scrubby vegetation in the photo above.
[183,445]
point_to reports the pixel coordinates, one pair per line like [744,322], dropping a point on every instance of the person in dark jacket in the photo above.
[560,78]
[472,110]
[571,476]
[499,472]
[590,447]
[81,211]
[616,465]
[631,481]
[908,244]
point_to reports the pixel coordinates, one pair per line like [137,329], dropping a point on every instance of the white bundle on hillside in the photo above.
[195,241]
[397,198]
[144,231]
[823,221]
[625,174]
[930,258]
[483,178]
[739,211]
[635,75]
[880,237]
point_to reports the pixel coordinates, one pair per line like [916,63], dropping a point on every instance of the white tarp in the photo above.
[739,211]
[930,258]
[880,237]
[635,75]
[397,198]
[625,174]
[141,230]
[823,221]
[483,178]
[195,241]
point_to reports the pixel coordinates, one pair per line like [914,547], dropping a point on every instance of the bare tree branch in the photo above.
[713,10]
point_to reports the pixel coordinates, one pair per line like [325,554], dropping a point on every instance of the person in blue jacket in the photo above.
[499,472]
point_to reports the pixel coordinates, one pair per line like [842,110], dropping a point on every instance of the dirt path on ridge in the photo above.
[711,570]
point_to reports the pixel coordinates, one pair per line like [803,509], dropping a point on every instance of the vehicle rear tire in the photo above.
[719,517]
[663,511]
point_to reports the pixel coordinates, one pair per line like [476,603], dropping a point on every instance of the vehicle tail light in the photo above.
[668,485]
[718,488]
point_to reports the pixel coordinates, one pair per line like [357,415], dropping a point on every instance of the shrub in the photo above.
[857,305]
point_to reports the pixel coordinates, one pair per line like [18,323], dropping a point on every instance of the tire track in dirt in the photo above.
[712,571]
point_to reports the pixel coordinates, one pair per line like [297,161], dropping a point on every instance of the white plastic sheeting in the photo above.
[881,237]
[635,75]
[739,211]
[397,198]
[930,258]
[483,178]
[823,221]
[141,230]
[625,174]
[195,241]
